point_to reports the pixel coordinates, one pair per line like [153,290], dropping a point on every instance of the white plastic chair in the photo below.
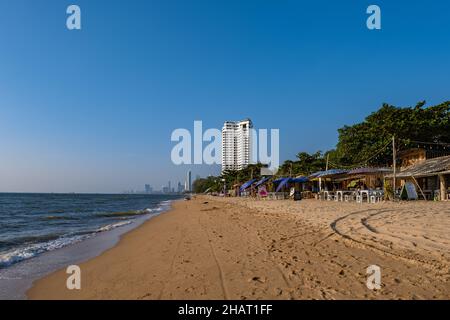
[359,198]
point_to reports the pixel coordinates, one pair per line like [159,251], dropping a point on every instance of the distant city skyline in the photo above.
[149,189]
[92,110]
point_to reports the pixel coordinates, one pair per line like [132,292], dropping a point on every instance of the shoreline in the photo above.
[33,293]
[18,278]
[214,248]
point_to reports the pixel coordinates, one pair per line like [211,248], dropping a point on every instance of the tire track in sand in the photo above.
[172,264]
[433,265]
[219,266]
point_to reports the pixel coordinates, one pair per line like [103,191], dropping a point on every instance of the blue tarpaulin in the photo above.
[260,182]
[284,181]
[246,185]
[278,180]
[299,180]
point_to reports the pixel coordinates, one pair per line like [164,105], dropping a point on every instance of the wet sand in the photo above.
[214,248]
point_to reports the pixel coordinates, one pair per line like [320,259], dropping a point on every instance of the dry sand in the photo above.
[213,248]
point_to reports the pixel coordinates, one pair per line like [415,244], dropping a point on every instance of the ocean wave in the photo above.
[16,255]
[130,213]
[60,218]
[112,226]
[36,245]
[56,211]
[29,251]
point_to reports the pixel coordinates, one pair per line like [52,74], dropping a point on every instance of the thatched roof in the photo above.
[429,167]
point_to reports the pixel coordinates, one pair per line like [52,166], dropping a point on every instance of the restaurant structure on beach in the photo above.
[430,176]
[424,173]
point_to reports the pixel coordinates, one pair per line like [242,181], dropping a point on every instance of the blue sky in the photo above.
[93,110]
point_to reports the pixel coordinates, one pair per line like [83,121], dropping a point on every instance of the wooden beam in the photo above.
[423,195]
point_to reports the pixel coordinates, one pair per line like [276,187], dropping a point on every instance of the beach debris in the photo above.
[258,279]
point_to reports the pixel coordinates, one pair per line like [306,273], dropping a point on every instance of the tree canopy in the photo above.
[365,143]
[305,164]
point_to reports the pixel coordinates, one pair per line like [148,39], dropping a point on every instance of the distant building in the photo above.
[188,182]
[148,188]
[236,144]
[180,188]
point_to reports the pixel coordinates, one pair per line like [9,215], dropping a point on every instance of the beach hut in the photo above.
[327,179]
[431,177]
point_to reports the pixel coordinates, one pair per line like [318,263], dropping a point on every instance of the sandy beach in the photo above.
[235,248]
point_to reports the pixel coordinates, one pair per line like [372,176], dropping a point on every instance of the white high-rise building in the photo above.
[236,144]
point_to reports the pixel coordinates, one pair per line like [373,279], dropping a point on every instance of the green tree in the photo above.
[368,142]
[211,184]
[232,177]
[305,164]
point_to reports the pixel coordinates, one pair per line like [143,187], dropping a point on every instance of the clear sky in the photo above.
[93,110]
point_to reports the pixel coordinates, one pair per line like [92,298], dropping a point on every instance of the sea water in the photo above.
[40,233]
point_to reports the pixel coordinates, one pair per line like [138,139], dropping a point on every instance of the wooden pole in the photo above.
[326,169]
[442,187]
[394,160]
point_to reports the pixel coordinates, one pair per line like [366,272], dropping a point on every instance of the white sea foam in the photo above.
[16,255]
[29,251]
[112,226]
